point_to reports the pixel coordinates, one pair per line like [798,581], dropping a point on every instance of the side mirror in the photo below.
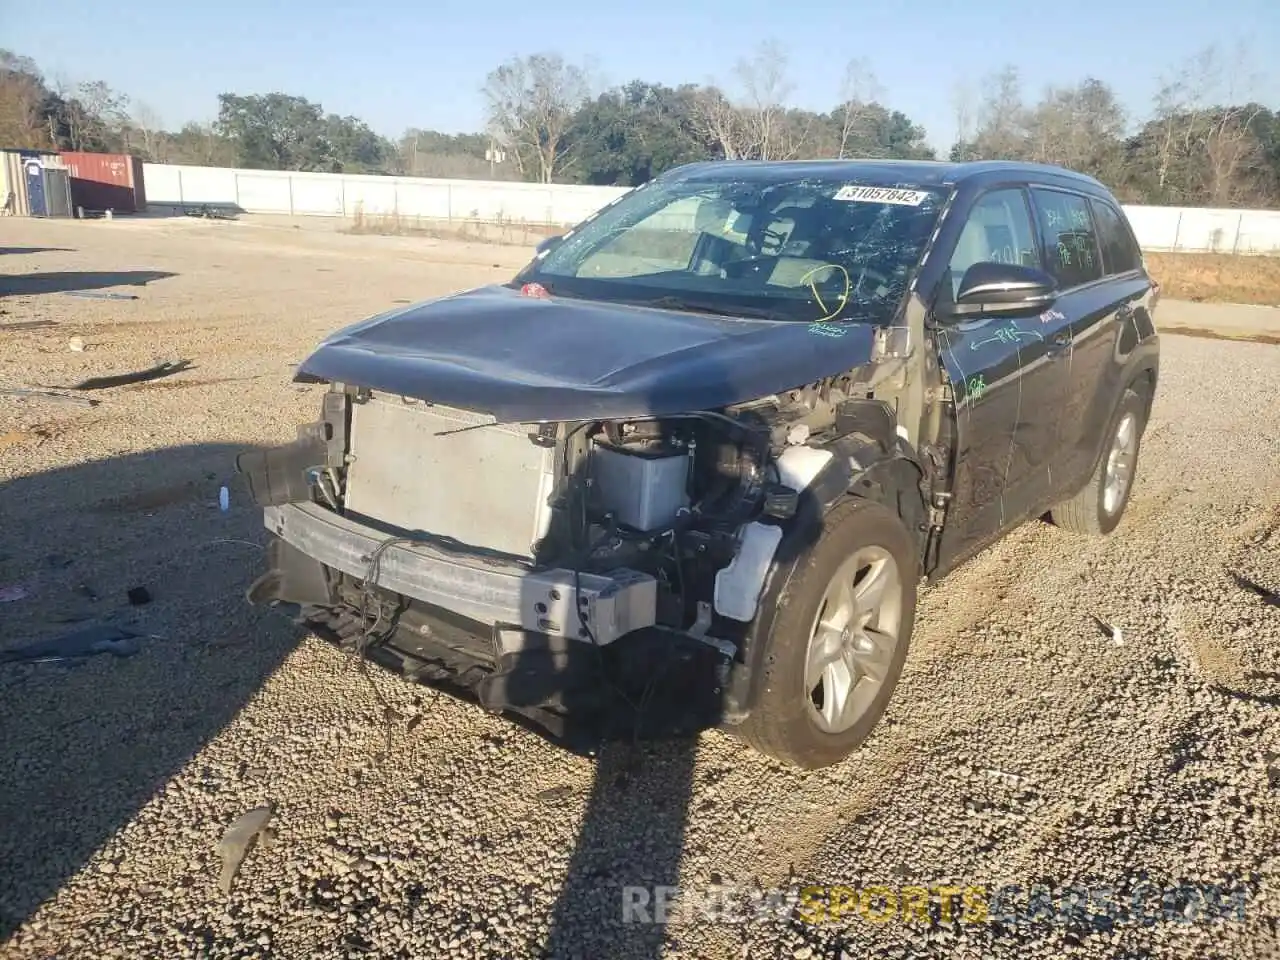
[548,243]
[1002,289]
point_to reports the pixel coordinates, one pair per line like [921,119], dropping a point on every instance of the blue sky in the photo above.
[397,64]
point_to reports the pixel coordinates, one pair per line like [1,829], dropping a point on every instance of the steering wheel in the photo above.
[778,238]
[879,278]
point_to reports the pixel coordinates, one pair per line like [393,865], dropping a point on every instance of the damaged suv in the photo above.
[700,452]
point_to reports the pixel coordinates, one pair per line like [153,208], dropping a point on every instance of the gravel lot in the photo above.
[1025,745]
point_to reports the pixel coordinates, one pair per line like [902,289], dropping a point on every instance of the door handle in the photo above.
[1059,344]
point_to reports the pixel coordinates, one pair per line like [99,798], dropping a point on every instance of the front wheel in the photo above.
[839,639]
[1097,509]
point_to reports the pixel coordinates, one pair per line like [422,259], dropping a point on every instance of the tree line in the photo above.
[1202,143]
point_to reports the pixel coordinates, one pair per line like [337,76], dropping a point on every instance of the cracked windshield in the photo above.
[800,249]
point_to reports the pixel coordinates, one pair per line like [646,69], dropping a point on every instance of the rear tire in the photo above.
[853,647]
[1096,510]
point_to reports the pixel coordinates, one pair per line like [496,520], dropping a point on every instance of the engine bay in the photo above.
[669,498]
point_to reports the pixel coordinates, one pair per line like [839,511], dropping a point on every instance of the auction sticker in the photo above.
[906,198]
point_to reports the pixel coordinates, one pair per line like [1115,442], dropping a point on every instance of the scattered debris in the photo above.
[165,369]
[211,213]
[53,395]
[224,499]
[70,616]
[139,596]
[12,592]
[1115,634]
[98,295]
[80,643]
[1269,597]
[247,543]
[87,591]
[553,793]
[27,324]
[239,840]
[76,345]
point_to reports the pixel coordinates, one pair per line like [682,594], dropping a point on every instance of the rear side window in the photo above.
[1119,252]
[1066,230]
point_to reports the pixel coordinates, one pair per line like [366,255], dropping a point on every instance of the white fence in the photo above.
[340,195]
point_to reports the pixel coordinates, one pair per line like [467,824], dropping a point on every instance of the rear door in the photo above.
[1085,322]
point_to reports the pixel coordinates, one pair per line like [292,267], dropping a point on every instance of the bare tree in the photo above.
[1205,150]
[1001,117]
[1080,127]
[962,98]
[860,92]
[531,102]
[766,87]
[21,98]
[755,124]
[1233,158]
[721,122]
[150,129]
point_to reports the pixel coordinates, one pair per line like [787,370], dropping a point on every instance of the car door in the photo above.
[1088,315]
[999,369]
[1100,380]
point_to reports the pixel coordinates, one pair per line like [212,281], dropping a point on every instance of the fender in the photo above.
[851,466]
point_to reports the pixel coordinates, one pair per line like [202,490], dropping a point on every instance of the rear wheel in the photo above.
[1097,509]
[839,639]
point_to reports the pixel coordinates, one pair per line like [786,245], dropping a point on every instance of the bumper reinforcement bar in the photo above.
[612,604]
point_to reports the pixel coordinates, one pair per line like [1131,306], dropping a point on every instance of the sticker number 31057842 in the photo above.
[907,198]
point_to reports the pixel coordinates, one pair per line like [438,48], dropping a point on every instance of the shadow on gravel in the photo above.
[88,742]
[619,892]
[8,250]
[628,854]
[66,281]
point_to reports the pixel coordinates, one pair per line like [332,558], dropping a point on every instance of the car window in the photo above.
[1119,252]
[786,247]
[997,230]
[1066,230]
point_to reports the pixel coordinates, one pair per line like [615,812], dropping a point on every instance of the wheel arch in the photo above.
[861,467]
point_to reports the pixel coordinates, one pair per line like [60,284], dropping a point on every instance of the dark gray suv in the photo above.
[689,466]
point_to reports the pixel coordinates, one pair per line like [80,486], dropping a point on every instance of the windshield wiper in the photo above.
[720,310]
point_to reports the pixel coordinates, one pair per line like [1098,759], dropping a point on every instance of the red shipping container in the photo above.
[106,181]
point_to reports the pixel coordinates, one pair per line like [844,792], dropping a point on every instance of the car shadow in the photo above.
[67,281]
[88,742]
[639,705]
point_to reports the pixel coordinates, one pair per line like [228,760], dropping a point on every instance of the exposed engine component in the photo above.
[589,530]
[643,484]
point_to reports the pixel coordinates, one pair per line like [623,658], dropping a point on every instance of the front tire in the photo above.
[839,639]
[1096,510]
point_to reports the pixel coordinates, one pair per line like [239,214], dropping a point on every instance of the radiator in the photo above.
[485,487]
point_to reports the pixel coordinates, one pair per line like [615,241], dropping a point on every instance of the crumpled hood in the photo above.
[528,359]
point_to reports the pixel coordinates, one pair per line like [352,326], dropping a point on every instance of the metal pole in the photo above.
[1235,247]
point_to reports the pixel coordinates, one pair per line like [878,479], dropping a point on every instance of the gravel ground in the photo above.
[1025,745]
